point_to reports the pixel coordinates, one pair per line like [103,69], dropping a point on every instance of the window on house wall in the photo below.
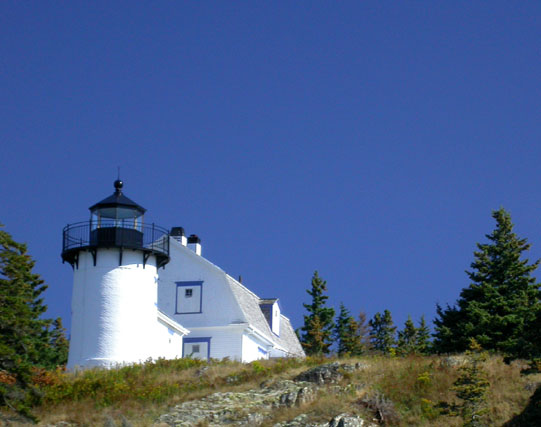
[189,298]
[197,348]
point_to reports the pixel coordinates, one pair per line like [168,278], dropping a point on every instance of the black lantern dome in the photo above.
[116,222]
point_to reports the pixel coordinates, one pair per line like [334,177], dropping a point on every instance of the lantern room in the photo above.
[116,222]
[117,211]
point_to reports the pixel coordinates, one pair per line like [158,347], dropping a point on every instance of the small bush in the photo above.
[472,386]
[382,407]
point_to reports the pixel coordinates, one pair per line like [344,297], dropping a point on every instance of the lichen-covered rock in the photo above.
[254,407]
[324,374]
[299,421]
[347,420]
[251,407]
[328,374]
[342,420]
[349,367]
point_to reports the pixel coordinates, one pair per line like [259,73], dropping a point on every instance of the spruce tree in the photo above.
[316,337]
[26,339]
[54,349]
[472,386]
[422,341]
[500,306]
[346,333]
[407,338]
[382,334]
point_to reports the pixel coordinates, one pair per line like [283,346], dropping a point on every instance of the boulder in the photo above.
[346,420]
[320,375]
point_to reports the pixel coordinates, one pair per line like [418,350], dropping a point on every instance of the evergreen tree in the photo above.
[346,333]
[422,341]
[316,337]
[382,334]
[54,349]
[407,338]
[500,306]
[25,338]
[472,386]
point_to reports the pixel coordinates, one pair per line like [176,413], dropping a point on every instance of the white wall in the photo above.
[114,309]
[251,347]
[219,308]
[168,342]
[225,341]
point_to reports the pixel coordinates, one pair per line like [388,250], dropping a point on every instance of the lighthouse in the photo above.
[115,257]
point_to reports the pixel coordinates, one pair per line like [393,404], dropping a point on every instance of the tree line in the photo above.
[357,336]
[500,310]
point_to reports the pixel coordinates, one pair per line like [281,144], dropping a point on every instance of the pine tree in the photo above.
[422,341]
[318,324]
[499,307]
[407,338]
[24,335]
[382,335]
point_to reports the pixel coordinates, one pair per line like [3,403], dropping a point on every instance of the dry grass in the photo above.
[405,391]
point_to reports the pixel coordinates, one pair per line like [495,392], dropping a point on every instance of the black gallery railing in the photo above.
[124,234]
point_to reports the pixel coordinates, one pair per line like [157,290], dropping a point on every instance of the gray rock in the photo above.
[255,419]
[346,420]
[353,367]
[324,374]
[289,399]
[251,407]
[254,407]
[305,395]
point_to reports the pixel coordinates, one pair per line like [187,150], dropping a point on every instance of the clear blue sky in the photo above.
[367,140]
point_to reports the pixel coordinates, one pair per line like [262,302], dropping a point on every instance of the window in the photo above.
[189,298]
[196,347]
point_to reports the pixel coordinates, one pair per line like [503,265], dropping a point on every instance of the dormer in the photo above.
[271,310]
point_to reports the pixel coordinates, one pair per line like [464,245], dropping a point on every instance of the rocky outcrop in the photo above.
[320,375]
[330,373]
[240,408]
[342,420]
[346,420]
[253,407]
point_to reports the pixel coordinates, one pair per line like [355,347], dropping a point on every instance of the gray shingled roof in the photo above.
[249,304]
[288,338]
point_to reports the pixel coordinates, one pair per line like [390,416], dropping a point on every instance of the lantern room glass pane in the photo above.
[99,221]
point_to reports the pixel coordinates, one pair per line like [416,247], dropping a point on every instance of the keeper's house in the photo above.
[225,319]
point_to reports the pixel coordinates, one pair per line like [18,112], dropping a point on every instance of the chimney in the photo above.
[194,243]
[177,233]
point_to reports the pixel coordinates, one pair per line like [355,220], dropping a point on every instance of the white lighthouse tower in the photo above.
[115,258]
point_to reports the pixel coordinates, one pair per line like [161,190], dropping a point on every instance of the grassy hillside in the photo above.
[406,391]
